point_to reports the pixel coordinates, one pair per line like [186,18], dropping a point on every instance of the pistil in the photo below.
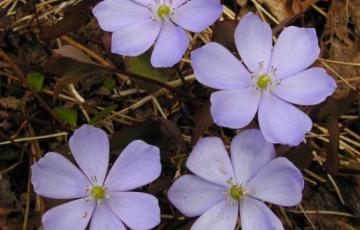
[237,192]
[263,81]
[98,193]
[163,11]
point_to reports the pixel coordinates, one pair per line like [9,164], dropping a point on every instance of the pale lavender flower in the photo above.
[274,78]
[138,24]
[222,187]
[103,198]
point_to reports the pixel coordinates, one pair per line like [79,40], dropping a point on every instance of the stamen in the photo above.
[278,82]
[261,67]
[94,180]
[273,71]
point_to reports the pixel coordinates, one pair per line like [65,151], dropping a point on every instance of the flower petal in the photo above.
[105,219]
[137,210]
[279,182]
[210,161]
[216,67]
[253,39]
[137,165]
[193,195]
[295,50]
[196,15]
[170,45]
[113,15]
[255,215]
[134,40]
[55,177]
[146,3]
[90,148]
[71,215]
[250,152]
[308,87]
[178,3]
[234,108]
[281,122]
[221,216]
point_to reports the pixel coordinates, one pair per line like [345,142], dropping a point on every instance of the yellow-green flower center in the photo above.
[98,193]
[163,11]
[237,192]
[263,81]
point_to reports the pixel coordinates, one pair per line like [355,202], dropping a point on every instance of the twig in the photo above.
[336,189]
[338,75]
[339,62]
[35,138]
[307,217]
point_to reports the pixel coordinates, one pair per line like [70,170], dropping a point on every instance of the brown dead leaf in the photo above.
[329,112]
[71,64]
[70,70]
[242,2]
[169,129]
[7,201]
[301,156]
[224,33]
[299,6]
[341,41]
[156,131]
[11,103]
[279,8]
[74,53]
[354,196]
[332,157]
[203,122]
[74,17]
[74,70]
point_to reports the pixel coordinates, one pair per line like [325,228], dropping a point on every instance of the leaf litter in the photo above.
[61,40]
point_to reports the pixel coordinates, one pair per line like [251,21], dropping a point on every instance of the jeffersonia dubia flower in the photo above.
[103,198]
[138,24]
[274,78]
[222,187]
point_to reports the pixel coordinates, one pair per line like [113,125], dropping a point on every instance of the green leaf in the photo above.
[141,65]
[109,83]
[68,115]
[35,80]
[99,115]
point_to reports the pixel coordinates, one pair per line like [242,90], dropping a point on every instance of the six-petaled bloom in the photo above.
[101,197]
[274,78]
[220,186]
[138,24]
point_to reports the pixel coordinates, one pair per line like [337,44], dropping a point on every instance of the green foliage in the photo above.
[98,116]
[68,115]
[141,65]
[109,83]
[35,80]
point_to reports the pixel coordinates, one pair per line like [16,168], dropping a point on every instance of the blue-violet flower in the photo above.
[274,78]
[222,187]
[100,197]
[138,24]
